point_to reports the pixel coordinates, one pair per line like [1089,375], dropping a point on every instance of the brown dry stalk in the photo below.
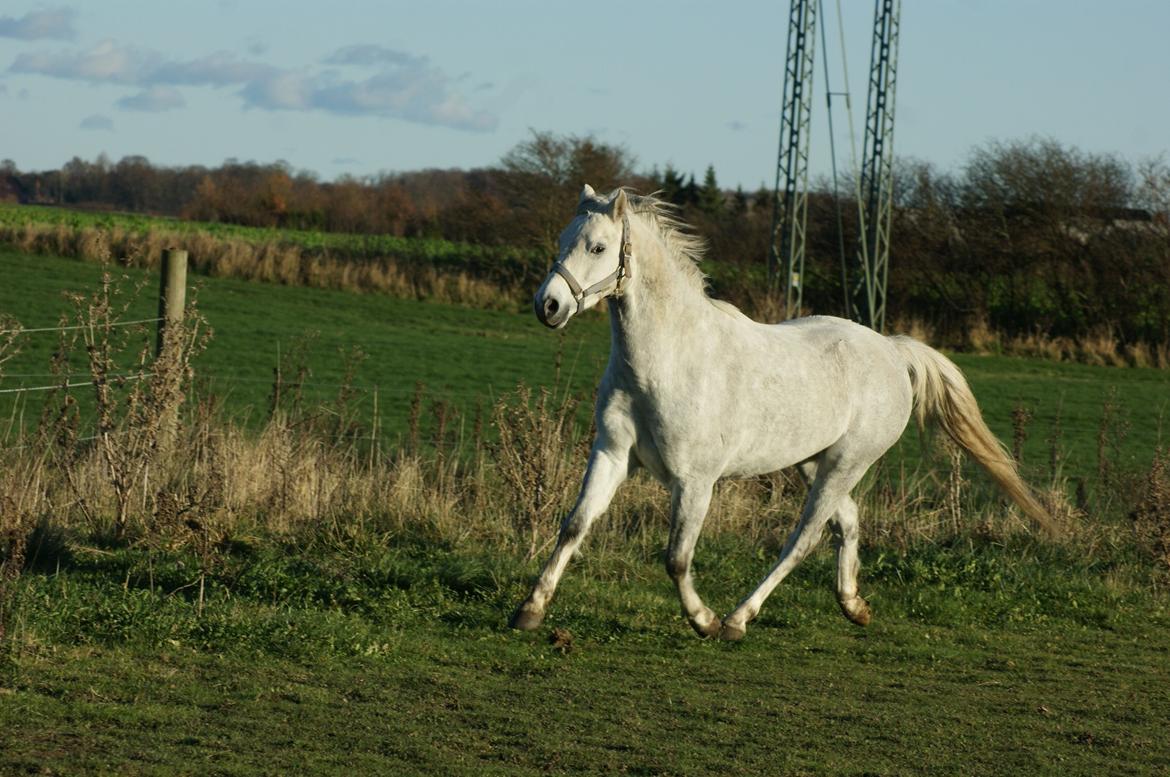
[534,437]
[1021,417]
[1151,516]
[136,404]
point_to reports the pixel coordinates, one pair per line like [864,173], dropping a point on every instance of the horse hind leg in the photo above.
[844,525]
[689,503]
[831,485]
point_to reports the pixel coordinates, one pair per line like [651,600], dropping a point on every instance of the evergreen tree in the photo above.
[688,193]
[762,199]
[739,202]
[671,185]
[710,198]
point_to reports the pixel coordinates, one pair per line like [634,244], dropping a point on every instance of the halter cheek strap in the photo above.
[625,255]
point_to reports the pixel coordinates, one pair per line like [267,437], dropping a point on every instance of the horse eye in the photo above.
[598,249]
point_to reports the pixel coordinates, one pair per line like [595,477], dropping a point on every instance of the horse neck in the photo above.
[663,303]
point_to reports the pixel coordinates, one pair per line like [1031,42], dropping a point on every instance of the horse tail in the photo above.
[941,393]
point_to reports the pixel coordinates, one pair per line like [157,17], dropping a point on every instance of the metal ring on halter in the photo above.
[625,254]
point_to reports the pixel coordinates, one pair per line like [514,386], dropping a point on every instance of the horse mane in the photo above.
[662,217]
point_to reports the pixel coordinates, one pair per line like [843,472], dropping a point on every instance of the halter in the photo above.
[625,254]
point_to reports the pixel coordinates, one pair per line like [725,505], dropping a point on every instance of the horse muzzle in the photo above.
[551,312]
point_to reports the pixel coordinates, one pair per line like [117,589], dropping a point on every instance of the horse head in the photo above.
[593,258]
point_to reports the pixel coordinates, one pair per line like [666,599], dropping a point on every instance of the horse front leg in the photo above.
[689,503]
[607,470]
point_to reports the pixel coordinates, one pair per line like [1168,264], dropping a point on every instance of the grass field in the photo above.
[467,357]
[395,659]
[462,355]
[381,647]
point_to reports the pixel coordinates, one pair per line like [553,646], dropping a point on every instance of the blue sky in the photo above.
[360,87]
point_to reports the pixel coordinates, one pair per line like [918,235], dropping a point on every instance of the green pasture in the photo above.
[394,659]
[386,651]
[467,357]
[463,356]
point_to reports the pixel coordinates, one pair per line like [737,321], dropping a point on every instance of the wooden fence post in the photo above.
[172,305]
[172,292]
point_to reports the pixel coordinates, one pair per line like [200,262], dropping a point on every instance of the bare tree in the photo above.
[543,176]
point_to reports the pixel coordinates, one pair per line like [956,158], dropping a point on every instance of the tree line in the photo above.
[1028,237]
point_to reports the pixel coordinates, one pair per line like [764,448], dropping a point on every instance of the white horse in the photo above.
[696,391]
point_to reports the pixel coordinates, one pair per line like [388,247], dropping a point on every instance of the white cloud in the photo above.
[219,69]
[97,122]
[370,55]
[403,86]
[113,62]
[279,91]
[155,99]
[52,23]
[108,61]
[411,95]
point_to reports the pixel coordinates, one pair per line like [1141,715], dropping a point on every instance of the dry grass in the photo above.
[981,338]
[1151,515]
[914,327]
[274,262]
[1101,347]
[533,457]
[294,478]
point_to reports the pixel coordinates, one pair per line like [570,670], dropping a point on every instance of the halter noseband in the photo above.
[625,254]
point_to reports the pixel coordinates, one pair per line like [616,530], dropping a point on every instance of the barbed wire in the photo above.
[367,388]
[376,438]
[22,331]
[67,385]
[382,389]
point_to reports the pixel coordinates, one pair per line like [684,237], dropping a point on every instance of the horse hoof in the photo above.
[526,620]
[731,632]
[713,628]
[857,610]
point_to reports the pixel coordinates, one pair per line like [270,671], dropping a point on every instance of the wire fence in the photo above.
[23,331]
[292,384]
[312,393]
[287,385]
[66,384]
[378,393]
[124,432]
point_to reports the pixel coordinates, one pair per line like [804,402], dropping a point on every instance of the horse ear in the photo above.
[587,193]
[620,203]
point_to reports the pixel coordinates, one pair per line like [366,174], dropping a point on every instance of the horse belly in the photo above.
[771,449]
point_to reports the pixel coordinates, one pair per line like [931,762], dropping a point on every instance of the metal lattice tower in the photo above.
[790,199]
[875,202]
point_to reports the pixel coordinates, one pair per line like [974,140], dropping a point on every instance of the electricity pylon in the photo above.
[876,187]
[790,198]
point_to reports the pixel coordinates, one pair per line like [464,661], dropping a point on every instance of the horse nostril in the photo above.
[551,306]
